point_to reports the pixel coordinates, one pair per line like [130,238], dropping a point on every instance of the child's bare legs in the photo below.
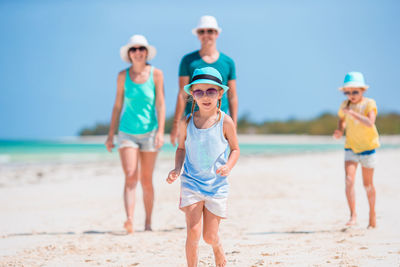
[210,236]
[368,174]
[193,224]
[129,160]
[350,169]
[147,162]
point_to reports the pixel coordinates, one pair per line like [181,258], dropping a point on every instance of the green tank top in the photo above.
[139,115]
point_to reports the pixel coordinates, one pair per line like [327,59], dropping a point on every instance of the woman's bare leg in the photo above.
[350,169]
[147,163]
[129,160]
[211,237]
[368,174]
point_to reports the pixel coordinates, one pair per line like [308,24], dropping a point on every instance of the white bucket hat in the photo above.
[135,40]
[354,79]
[207,22]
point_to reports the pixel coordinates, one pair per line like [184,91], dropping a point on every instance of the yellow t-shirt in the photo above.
[360,137]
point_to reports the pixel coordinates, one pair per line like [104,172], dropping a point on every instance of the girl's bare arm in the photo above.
[340,128]
[180,152]
[231,136]
[368,120]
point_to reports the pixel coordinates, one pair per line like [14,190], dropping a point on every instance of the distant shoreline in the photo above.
[243,138]
[261,139]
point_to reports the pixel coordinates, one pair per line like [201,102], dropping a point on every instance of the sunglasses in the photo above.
[209,31]
[351,93]
[141,49]
[210,92]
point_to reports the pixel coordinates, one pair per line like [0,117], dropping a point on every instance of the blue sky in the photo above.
[59,59]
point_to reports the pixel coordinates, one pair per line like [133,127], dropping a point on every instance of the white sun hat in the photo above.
[207,22]
[136,40]
[354,79]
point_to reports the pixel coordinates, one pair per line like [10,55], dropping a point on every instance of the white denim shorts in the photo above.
[145,142]
[216,206]
[367,161]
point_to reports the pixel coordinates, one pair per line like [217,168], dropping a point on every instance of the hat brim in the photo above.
[123,52]
[188,86]
[194,31]
[355,85]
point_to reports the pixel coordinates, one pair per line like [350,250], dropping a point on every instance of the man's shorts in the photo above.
[145,142]
[367,159]
[216,206]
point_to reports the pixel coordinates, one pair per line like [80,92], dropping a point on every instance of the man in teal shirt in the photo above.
[208,56]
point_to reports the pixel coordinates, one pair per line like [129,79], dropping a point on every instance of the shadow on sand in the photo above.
[295,232]
[90,232]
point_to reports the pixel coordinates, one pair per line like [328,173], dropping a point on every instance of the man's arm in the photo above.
[180,107]
[233,101]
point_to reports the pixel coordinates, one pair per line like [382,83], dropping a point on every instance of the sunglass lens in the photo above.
[352,93]
[210,31]
[198,94]
[200,32]
[212,92]
[141,48]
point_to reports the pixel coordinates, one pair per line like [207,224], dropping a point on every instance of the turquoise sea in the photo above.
[20,151]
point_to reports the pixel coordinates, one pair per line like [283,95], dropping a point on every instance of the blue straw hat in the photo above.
[354,79]
[207,75]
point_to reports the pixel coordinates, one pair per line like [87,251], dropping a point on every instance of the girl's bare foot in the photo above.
[220,259]
[372,220]
[352,221]
[129,227]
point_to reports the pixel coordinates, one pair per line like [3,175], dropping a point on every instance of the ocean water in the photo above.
[24,151]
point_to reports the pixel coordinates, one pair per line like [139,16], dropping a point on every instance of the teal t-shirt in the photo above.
[224,65]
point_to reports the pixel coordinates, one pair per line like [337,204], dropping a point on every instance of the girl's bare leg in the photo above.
[147,163]
[193,223]
[368,174]
[210,236]
[129,160]
[350,169]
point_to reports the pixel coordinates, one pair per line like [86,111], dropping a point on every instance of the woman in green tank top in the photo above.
[141,128]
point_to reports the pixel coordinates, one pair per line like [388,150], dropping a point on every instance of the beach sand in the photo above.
[283,210]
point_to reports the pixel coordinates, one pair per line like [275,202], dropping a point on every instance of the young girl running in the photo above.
[357,114]
[205,137]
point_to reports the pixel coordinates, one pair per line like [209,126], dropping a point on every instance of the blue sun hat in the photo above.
[207,75]
[354,79]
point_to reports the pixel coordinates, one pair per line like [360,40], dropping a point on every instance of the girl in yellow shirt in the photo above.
[357,115]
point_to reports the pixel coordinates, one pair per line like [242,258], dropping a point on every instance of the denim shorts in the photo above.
[367,160]
[145,142]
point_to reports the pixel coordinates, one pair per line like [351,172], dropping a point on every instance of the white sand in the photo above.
[286,211]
